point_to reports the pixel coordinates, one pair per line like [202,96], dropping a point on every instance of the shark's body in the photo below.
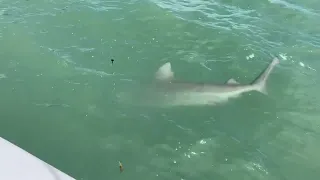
[177,93]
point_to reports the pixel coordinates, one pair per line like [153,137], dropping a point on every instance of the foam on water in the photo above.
[2,76]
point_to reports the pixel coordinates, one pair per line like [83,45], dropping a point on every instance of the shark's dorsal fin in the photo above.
[232,81]
[165,73]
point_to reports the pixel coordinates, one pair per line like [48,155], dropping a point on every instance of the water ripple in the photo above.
[250,21]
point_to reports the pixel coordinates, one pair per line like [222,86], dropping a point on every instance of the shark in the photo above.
[178,93]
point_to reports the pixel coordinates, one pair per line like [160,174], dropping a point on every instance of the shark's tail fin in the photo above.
[260,82]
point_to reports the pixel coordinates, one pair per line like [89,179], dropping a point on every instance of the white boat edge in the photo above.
[18,164]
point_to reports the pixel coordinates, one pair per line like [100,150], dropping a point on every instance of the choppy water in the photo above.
[59,90]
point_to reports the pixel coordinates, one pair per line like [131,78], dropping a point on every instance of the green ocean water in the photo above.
[60,93]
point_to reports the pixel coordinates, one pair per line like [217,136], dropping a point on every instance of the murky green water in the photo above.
[59,91]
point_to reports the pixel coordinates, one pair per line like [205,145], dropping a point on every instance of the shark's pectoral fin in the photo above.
[232,81]
[165,73]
